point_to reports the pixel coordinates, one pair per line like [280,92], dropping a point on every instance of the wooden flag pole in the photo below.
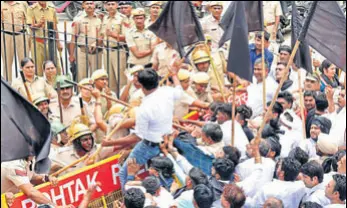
[302,112]
[233,113]
[295,49]
[263,68]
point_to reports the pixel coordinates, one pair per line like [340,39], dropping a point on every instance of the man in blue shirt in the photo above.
[255,49]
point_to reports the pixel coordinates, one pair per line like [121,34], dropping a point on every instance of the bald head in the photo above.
[273,203]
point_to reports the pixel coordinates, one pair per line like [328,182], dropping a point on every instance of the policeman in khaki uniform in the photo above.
[42,103]
[210,24]
[187,100]
[16,176]
[92,24]
[141,41]
[100,80]
[38,16]
[162,58]
[154,11]
[272,13]
[19,14]
[202,63]
[70,104]
[86,95]
[82,142]
[126,8]
[132,92]
[200,86]
[113,29]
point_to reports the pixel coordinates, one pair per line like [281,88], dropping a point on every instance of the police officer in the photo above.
[202,63]
[210,24]
[201,82]
[132,92]
[70,105]
[36,85]
[154,11]
[272,14]
[92,24]
[141,41]
[42,103]
[114,29]
[19,14]
[126,9]
[86,95]
[16,176]
[100,80]
[60,136]
[39,15]
[187,100]
[162,58]
[82,142]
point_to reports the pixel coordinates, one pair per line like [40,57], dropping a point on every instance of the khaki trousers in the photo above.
[113,70]
[87,67]
[10,55]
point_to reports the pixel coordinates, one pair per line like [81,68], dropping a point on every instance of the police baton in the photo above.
[26,86]
[102,94]
[60,106]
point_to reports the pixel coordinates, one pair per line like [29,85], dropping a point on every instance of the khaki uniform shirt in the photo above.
[143,41]
[92,24]
[19,14]
[271,10]
[38,86]
[191,92]
[217,60]
[182,106]
[128,23]
[210,26]
[163,56]
[204,97]
[35,12]
[67,155]
[114,24]
[14,174]
[137,96]
[148,22]
[69,113]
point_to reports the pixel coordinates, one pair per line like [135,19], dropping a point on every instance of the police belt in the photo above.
[15,33]
[151,144]
[144,66]
[270,24]
[117,48]
[85,50]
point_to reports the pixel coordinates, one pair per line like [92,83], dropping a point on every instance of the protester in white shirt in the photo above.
[336,191]
[255,90]
[153,119]
[289,85]
[160,196]
[224,114]
[312,175]
[249,169]
[320,125]
[285,188]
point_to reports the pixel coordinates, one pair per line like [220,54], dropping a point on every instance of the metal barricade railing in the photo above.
[30,36]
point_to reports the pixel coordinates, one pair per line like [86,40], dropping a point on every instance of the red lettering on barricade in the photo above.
[72,186]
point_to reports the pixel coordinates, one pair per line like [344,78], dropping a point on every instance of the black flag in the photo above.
[254,17]
[303,56]
[325,31]
[24,130]
[178,25]
[239,58]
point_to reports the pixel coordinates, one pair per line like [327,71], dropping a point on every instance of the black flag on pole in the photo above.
[178,25]
[254,18]
[302,57]
[24,130]
[239,59]
[325,31]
